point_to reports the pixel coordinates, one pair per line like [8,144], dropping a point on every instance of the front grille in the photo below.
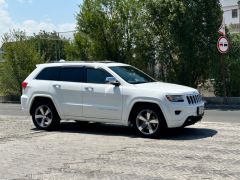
[194,99]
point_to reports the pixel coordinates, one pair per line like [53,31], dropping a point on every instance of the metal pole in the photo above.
[223,78]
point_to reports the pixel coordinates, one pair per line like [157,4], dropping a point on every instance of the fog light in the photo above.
[178,112]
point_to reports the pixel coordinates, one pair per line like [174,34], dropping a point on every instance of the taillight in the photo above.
[24,85]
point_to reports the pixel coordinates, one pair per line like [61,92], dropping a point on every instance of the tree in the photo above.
[173,40]
[187,32]
[20,58]
[50,45]
[231,67]
[107,28]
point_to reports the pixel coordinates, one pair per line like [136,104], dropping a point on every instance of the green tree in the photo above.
[173,40]
[187,34]
[20,58]
[107,28]
[50,45]
[231,67]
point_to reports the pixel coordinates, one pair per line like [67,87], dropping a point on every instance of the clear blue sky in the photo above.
[59,11]
[35,15]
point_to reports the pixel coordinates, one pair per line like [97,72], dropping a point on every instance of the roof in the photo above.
[229,3]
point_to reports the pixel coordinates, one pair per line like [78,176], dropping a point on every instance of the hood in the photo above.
[167,88]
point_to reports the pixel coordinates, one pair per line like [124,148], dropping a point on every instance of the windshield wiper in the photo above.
[138,82]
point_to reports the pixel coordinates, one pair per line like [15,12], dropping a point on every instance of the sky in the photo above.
[35,15]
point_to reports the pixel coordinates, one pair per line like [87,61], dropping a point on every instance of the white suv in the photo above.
[107,92]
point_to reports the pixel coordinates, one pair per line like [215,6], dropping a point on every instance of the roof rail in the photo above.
[64,61]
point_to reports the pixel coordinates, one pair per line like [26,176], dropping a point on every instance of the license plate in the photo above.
[200,110]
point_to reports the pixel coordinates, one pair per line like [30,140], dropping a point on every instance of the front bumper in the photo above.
[182,114]
[192,120]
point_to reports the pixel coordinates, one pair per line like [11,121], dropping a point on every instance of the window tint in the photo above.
[132,75]
[97,76]
[72,74]
[50,73]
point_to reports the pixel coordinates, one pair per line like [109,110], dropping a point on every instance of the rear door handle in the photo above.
[90,89]
[57,86]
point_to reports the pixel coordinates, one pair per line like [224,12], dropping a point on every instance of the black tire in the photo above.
[149,122]
[45,116]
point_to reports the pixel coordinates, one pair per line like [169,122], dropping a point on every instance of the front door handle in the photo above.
[90,89]
[57,86]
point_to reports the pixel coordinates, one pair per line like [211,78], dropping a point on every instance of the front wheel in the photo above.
[149,122]
[45,116]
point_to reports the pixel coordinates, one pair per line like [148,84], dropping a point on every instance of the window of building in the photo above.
[234,13]
[72,74]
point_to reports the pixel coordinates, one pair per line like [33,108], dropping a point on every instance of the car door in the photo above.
[101,100]
[69,90]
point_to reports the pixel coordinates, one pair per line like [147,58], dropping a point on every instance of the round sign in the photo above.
[223,44]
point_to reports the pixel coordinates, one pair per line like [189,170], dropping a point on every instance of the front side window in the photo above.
[97,76]
[234,13]
[49,73]
[72,74]
[131,74]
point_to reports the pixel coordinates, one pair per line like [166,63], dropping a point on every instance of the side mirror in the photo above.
[113,81]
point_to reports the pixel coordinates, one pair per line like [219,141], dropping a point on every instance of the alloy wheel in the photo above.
[43,116]
[147,122]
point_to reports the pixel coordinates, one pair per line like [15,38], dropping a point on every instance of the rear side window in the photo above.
[97,76]
[49,73]
[72,74]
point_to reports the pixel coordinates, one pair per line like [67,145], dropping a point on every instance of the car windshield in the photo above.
[131,74]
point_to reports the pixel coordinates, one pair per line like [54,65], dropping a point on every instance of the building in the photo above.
[1,55]
[231,14]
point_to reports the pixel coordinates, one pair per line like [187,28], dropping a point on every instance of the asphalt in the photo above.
[207,150]
[217,114]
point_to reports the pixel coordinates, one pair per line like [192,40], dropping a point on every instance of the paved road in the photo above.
[207,150]
[220,115]
[11,109]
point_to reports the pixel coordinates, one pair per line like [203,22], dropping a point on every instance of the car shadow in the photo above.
[187,133]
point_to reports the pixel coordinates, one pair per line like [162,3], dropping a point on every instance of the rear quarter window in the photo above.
[49,73]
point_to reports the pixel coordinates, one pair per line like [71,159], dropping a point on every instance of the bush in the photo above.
[20,59]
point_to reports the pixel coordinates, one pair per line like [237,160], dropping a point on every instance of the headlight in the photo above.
[175,98]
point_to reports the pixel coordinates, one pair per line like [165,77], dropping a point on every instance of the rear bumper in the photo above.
[24,104]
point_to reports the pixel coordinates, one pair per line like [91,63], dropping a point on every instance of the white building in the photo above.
[1,55]
[231,9]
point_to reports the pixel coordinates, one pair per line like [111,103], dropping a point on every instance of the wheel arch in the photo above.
[38,98]
[139,104]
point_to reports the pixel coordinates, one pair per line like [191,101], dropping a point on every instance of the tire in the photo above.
[149,122]
[45,116]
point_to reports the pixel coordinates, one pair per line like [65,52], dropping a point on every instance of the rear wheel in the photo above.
[149,122]
[45,116]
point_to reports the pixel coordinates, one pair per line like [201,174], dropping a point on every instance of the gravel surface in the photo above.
[207,150]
